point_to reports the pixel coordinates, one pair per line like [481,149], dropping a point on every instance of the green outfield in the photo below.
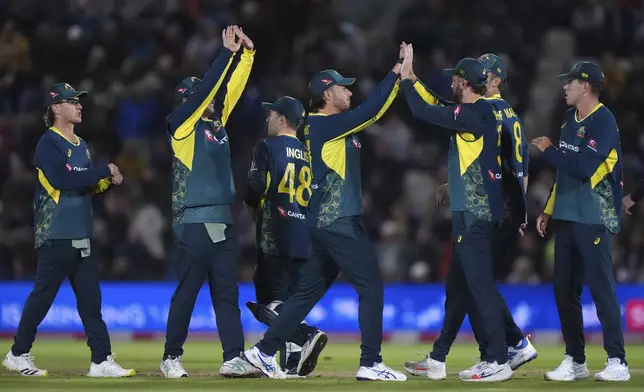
[68,362]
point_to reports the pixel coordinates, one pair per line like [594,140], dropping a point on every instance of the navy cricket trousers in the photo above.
[275,277]
[196,260]
[57,260]
[470,287]
[455,311]
[343,246]
[583,254]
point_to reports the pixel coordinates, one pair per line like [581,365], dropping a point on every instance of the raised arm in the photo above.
[459,118]
[239,77]
[183,119]
[371,110]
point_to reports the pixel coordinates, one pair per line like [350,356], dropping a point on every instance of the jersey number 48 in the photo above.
[296,193]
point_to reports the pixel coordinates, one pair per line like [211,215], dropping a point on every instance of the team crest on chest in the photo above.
[217,124]
[581,132]
[69,153]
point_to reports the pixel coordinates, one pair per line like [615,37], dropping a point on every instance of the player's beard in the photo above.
[458,94]
[210,110]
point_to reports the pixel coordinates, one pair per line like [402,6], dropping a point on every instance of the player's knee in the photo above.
[375,293]
[562,290]
[43,291]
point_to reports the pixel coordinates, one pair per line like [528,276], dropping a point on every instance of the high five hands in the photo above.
[233,38]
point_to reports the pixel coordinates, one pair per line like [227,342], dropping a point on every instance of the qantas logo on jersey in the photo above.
[567,146]
[75,168]
[457,111]
[356,142]
[494,176]
[592,144]
[211,138]
[290,214]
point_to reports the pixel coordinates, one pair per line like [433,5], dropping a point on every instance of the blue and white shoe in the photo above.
[266,363]
[311,351]
[522,353]
[379,372]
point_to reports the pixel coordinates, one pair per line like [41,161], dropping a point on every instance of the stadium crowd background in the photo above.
[129,54]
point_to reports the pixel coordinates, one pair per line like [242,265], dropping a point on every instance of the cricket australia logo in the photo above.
[581,132]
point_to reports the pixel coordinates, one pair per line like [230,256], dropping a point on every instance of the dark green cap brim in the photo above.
[564,78]
[269,106]
[346,82]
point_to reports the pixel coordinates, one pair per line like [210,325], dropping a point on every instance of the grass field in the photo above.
[68,362]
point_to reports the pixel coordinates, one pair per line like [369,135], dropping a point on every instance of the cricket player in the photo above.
[279,190]
[477,201]
[203,192]
[586,203]
[515,159]
[338,238]
[63,230]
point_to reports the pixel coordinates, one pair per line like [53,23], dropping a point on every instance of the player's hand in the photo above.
[229,38]
[523,225]
[401,52]
[442,194]
[401,55]
[116,176]
[627,204]
[522,228]
[407,68]
[542,143]
[542,224]
[243,38]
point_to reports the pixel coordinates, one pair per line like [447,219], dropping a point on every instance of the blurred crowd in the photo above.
[129,54]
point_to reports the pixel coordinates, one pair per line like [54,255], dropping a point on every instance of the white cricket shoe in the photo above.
[292,373]
[521,354]
[569,370]
[171,368]
[266,363]
[109,368]
[379,372]
[239,368]
[491,372]
[23,364]
[428,367]
[468,373]
[615,371]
